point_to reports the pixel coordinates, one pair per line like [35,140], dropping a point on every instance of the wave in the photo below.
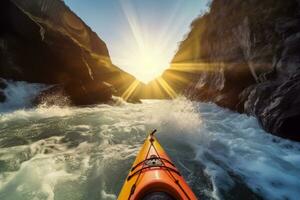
[85,153]
[19,94]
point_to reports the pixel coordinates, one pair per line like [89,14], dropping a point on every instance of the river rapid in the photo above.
[74,153]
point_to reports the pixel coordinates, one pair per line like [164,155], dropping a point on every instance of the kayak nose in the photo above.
[154,161]
[153,176]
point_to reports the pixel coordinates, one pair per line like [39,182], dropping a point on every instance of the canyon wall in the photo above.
[242,54]
[245,55]
[43,41]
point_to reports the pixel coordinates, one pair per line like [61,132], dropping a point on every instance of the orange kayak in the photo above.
[154,176]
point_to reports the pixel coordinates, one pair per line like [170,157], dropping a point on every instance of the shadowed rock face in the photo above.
[245,55]
[44,41]
[2,87]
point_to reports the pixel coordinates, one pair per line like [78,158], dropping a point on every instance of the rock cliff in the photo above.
[43,41]
[245,55]
[242,54]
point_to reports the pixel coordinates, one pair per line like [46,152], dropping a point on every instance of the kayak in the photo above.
[153,176]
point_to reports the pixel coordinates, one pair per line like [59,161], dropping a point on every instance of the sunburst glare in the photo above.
[155,36]
[142,36]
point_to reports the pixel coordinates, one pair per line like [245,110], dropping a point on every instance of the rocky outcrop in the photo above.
[2,87]
[244,55]
[276,99]
[43,41]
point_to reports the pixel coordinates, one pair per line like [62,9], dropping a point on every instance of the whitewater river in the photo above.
[69,153]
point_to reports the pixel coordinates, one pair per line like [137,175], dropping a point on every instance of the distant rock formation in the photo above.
[245,55]
[43,41]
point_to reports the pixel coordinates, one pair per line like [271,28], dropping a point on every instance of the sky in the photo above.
[142,36]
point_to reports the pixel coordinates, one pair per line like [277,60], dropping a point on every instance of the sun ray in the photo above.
[193,66]
[150,44]
[168,89]
[156,89]
[177,78]
[130,90]
[131,17]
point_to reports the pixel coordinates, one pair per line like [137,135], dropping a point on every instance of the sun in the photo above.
[148,41]
[148,35]
[142,37]
[147,63]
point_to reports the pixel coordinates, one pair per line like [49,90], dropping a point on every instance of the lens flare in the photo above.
[149,41]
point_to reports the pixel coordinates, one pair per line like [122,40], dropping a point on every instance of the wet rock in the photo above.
[88,93]
[54,95]
[3,84]
[2,96]
[276,102]
[247,60]
[75,93]
[277,106]
[43,41]
[2,87]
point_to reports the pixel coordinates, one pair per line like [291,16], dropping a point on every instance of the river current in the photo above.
[64,153]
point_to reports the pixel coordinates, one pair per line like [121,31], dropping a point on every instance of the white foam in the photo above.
[109,137]
[227,142]
[19,94]
[106,196]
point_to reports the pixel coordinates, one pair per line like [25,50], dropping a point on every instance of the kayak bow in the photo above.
[154,176]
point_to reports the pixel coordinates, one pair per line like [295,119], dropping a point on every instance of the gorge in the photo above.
[244,55]
[72,122]
[45,42]
[246,60]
